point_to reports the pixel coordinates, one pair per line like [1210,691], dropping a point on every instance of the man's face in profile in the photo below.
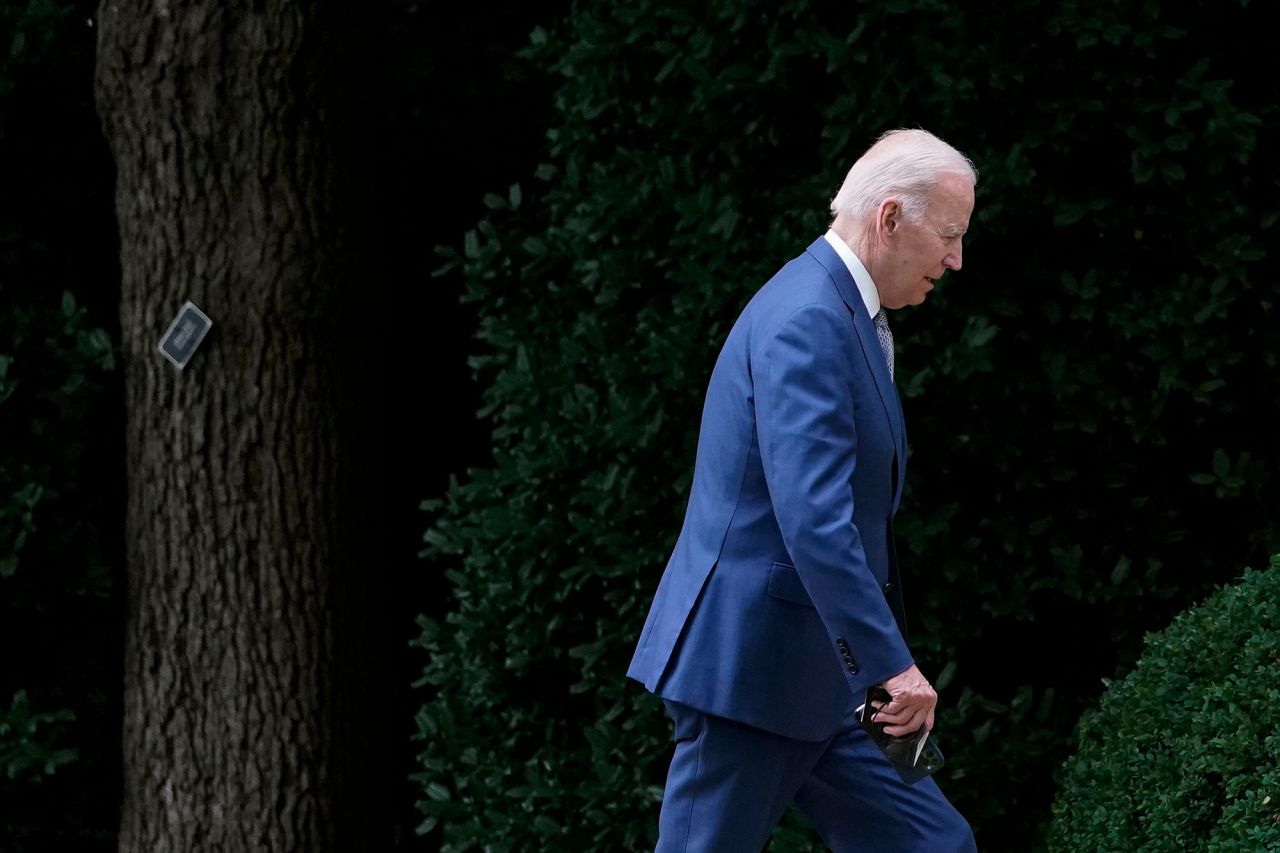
[921,252]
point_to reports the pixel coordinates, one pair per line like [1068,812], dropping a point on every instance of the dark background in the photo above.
[1091,403]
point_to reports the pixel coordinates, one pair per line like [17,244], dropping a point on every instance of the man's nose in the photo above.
[955,258]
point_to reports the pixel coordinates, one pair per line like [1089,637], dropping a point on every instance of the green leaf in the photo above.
[1221,464]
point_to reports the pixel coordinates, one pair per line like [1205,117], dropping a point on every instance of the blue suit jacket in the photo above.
[779,605]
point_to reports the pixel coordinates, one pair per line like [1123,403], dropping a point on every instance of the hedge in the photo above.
[1184,752]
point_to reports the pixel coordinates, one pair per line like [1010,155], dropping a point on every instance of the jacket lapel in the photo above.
[821,250]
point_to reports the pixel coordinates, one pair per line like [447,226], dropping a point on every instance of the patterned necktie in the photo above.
[886,338]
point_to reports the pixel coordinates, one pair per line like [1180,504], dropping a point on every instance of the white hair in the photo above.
[904,165]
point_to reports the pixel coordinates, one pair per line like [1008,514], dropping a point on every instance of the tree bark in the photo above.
[239,729]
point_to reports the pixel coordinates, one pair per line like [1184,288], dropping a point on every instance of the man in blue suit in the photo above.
[780,605]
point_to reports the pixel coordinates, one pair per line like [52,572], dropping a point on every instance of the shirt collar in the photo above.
[862,278]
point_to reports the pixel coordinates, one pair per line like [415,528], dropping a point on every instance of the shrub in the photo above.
[1184,752]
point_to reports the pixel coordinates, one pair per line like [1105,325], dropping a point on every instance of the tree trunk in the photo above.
[238,724]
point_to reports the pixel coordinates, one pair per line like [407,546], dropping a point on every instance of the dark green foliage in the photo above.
[60,459]
[28,740]
[27,32]
[1089,401]
[56,594]
[1183,753]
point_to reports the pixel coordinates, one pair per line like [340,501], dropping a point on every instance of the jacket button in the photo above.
[888,588]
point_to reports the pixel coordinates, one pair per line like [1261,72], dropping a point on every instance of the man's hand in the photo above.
[912,705]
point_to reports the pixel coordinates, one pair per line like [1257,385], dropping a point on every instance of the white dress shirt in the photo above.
[861,277]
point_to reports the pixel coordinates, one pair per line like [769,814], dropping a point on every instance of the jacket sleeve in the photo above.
[803,369]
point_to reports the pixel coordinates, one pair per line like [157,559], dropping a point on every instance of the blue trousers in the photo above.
[729,784]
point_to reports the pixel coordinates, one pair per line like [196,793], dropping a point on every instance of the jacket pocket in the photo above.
[784,583]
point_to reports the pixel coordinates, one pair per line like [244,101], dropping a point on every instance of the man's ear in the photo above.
[888,217]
